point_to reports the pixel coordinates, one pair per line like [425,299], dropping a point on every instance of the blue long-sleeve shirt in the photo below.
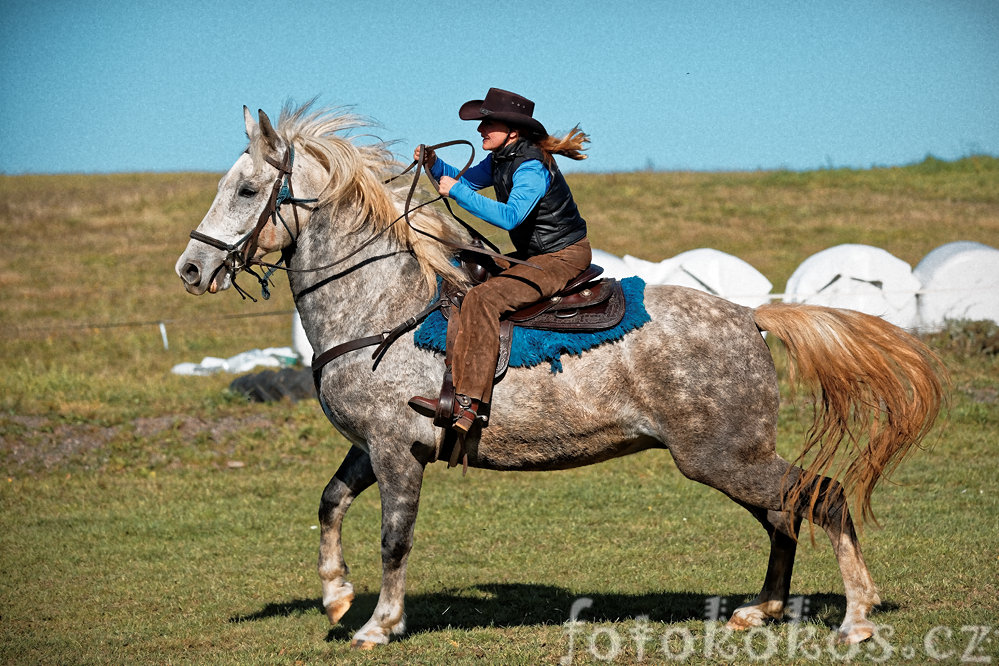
[530,182]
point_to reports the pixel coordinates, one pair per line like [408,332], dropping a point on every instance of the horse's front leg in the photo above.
[354,475]
[400,478]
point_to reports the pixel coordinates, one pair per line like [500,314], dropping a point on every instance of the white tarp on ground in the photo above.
[272,357]
[705,269]
[960,280]
[858,277]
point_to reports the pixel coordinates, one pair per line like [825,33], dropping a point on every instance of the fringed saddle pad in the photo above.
[532,347]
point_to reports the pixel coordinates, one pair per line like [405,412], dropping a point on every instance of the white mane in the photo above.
[356,181]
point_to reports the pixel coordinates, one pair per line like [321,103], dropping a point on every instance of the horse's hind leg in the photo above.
[353,476]
[772,599]
[760,484]
[752,478]
[833,515]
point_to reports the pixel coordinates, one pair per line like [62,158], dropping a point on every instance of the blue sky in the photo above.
[115,86]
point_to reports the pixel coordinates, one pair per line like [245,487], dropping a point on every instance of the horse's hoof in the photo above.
[736,623]
[336,610]
[855,634]
[359,644]
[746,618]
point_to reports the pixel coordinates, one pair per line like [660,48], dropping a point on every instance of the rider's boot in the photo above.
[459,412]
[441,409]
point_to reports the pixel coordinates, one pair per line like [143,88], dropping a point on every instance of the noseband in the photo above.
[240,255]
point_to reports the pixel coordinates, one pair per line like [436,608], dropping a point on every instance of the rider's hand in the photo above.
[445,184]
[429,156]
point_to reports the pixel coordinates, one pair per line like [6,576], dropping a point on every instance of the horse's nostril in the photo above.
[191,273]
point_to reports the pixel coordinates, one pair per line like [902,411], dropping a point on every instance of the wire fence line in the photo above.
[36,331]
[845,294]
[28,332]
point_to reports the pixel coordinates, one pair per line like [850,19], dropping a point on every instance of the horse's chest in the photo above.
[353,400]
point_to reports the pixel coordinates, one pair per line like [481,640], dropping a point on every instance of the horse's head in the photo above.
[310,154]
[245,221]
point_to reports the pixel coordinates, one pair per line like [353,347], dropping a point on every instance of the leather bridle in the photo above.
[240,255]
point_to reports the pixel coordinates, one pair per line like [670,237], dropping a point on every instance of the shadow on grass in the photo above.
[282,609]
[519,604]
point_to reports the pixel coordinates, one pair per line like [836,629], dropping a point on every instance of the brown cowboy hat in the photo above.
[506,107]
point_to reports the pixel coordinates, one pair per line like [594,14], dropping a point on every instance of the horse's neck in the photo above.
[372,291]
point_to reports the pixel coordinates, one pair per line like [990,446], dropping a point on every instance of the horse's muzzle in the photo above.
[190,272]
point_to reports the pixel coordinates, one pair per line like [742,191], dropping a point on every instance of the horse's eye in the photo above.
[247,192]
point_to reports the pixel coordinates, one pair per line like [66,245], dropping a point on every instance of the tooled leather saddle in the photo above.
[585,305]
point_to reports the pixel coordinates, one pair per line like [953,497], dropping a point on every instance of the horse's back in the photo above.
[699,368]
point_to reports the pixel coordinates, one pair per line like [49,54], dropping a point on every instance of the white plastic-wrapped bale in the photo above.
[653,272]
[858,277]
[960,280]
[718,273]
[614,266]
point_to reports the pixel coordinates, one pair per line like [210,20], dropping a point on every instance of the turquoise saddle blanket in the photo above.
[531,347]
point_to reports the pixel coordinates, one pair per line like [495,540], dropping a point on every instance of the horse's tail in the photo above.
[879,392]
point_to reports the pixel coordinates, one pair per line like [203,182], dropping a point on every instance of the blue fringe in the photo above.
[532,347]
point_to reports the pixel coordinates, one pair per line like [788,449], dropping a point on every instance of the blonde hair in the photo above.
[571,145]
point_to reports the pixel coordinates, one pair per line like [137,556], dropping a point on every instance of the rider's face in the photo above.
[495,134]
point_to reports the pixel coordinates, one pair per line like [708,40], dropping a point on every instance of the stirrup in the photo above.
[444,414]
[437,409]
[443,409]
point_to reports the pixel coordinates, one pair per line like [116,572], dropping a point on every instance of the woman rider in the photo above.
[534,204]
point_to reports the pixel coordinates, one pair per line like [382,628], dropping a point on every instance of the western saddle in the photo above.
[586,304]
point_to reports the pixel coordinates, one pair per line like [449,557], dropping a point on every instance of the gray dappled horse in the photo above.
[697,380]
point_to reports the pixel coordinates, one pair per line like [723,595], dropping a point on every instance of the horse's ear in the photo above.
[267,130]
[251,124]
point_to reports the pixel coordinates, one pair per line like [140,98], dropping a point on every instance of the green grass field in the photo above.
[151,518]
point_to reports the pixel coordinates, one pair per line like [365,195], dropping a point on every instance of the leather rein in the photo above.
[240,255]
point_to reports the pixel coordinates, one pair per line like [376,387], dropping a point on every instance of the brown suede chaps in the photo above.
[473,335]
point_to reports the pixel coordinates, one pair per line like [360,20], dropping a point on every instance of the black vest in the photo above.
[555,223]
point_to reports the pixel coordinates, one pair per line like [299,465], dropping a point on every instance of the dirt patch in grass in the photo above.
[189,427]
[31,444]
[982,394]
[37,442]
